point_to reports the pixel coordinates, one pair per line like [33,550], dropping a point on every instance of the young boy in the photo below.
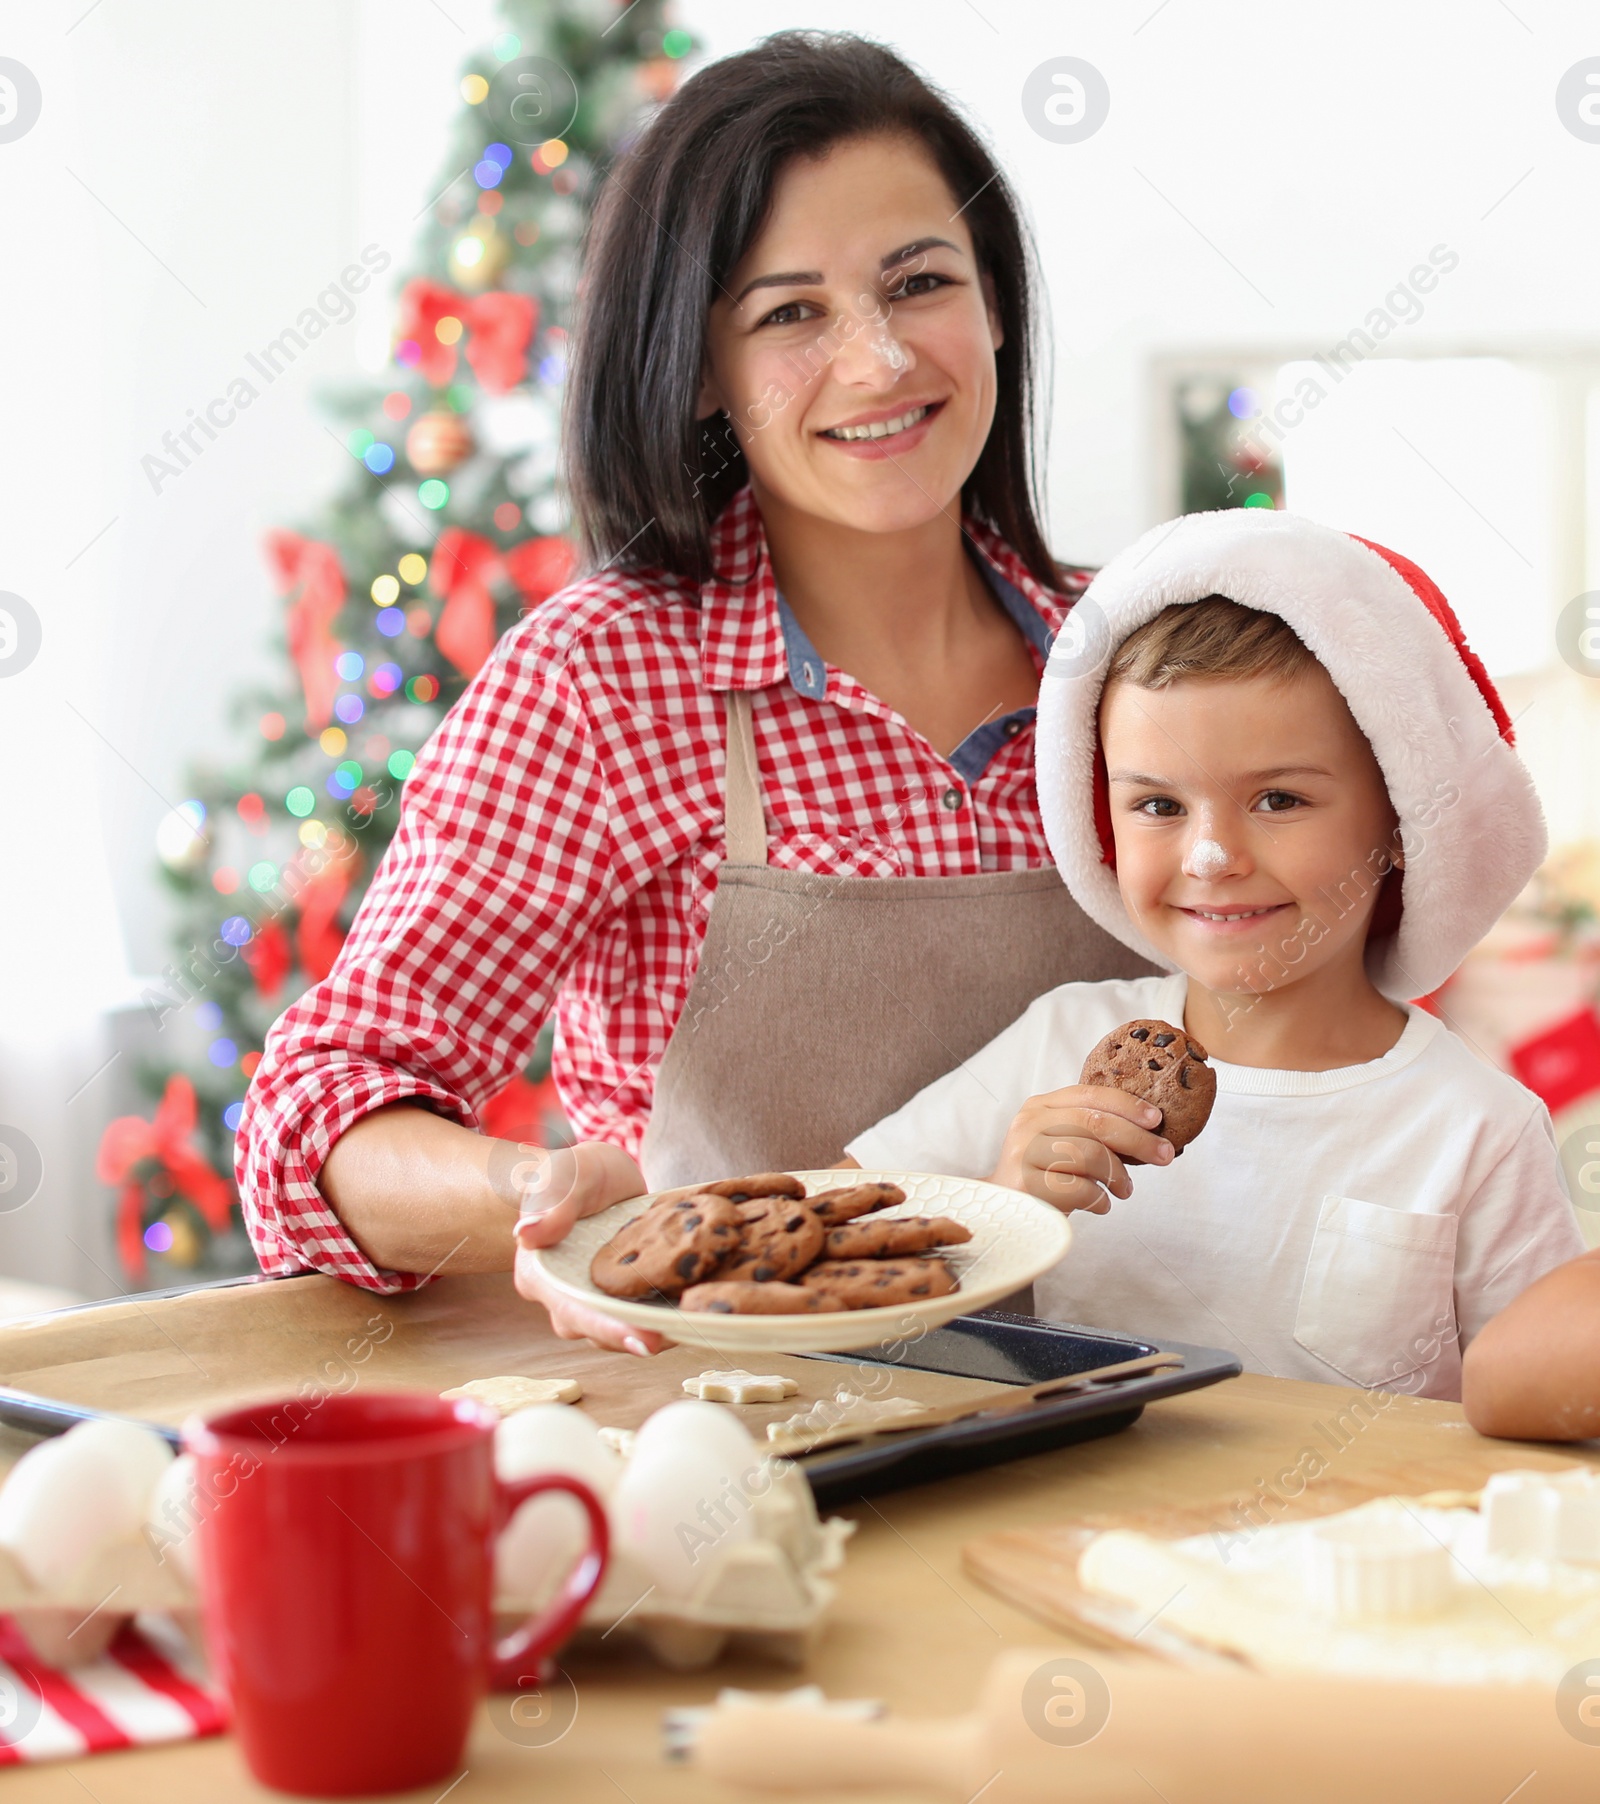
[1291,785]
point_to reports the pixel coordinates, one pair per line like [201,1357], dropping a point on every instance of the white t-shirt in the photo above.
[1352,1226]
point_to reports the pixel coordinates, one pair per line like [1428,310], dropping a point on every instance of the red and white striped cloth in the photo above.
[145,1689]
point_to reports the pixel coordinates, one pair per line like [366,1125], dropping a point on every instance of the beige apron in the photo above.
[823,1003]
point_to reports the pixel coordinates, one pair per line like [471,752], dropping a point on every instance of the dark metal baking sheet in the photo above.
[1007,1349]
[992,1344]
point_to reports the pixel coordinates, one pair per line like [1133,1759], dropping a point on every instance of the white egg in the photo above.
[686,1496]
[69,1496]
[172,1516]
[548,1534]
[555,1437]
[711,1428]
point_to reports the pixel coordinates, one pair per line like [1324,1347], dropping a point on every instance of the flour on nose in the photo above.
[1206,859]
[886,347]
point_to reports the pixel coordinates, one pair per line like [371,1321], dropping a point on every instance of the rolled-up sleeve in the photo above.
[501,866]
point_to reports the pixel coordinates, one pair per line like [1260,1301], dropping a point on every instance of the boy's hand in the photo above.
[1063,1147]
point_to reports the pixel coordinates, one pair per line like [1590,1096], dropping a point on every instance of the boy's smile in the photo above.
[1252,827]
[1231,919]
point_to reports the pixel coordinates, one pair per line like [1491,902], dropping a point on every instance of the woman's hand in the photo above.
[552,1190]
[1064,1147]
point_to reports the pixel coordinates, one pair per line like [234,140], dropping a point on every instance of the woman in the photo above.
[752,803]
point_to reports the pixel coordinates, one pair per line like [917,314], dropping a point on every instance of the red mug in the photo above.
[347,1569]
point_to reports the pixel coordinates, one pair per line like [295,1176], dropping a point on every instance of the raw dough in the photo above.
[740,1387]
[507,1395]
[846,1411]
[620,1440]
[1510,1620]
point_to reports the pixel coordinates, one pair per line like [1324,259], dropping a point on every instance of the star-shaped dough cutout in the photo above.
[740,1387]
[507,1395]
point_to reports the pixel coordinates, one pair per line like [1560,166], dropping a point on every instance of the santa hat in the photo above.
[1471,826]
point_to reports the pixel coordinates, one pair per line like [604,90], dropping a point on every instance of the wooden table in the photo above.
[908,1626]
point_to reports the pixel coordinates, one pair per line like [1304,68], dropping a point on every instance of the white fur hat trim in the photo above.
[1471,826]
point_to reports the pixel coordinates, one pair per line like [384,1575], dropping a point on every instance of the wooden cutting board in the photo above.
[1037,1569]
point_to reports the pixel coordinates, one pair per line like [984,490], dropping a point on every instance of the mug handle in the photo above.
[528,1652]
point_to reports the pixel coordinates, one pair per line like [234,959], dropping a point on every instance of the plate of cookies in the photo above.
[808,1261]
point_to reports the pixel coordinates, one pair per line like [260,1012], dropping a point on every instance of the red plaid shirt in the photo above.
[559,847]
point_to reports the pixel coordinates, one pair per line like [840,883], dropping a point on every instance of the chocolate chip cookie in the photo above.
[672,1245]
[893,1236]
[718,1298]
[778,1237]
[835,1206]
[1159,1062]
[879,1283]
[764,1183]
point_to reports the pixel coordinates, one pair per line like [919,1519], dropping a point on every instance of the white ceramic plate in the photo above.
[1014,1239]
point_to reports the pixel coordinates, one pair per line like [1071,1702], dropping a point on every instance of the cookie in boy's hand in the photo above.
[1159,1062]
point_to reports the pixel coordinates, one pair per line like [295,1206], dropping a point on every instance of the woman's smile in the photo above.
[884,432]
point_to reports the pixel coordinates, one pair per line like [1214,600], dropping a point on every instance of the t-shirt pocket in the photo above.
[1378,1302]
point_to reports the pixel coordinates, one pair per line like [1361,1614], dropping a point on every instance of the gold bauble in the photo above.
[437,442]
[487,267]
[186,1248]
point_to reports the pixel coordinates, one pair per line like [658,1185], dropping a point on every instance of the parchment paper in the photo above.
[164,1358]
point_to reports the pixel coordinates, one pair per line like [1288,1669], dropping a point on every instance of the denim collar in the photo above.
[809,675]
[746,642]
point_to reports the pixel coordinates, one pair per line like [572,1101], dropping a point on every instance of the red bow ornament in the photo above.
[131,1142]
[461,568]
[310,571]
[466,569]
[539,567]
[318,938]
[527,1112]
[267,958]
[498,328]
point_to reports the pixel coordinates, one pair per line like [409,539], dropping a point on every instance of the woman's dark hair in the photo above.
[674,218]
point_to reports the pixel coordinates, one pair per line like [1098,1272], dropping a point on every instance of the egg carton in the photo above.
[769,1593]
[74,1620]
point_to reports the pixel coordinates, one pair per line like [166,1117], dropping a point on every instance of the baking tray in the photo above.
[1007,1349]
[992,1344]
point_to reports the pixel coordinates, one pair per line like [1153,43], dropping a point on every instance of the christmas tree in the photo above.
[449,526]
[1226,459]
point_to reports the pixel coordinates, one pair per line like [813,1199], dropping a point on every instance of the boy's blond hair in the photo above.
[1214,637]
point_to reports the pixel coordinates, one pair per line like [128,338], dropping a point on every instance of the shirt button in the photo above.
[951,799]
[1013,728]
[808,675]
